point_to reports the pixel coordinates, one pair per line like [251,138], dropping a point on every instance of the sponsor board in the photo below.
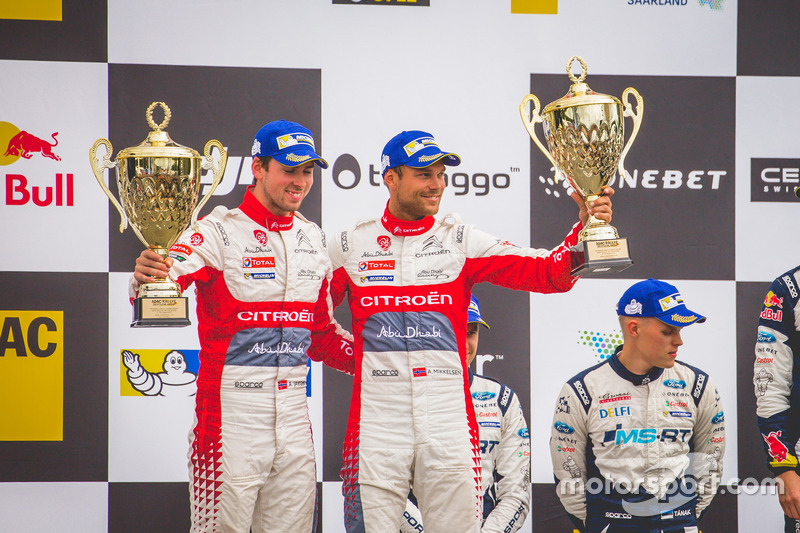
[32,375]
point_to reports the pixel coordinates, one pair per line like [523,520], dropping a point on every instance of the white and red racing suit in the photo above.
[505,459]
[411,414]
[262,298]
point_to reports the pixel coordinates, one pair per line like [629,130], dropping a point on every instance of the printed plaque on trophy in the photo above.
[159,185]
[585,135]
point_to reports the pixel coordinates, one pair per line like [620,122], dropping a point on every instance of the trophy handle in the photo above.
[637,121]
[218,171]
[530,125]
[98,167]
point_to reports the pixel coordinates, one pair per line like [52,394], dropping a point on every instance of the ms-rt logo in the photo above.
[348,173]
[42,182]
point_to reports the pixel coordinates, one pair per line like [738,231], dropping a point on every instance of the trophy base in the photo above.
[161,312]
[600,257]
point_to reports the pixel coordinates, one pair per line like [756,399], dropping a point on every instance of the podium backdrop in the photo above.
[707,206]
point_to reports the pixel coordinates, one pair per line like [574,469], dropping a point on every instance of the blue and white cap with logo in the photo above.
[417,149]
[657,299]
[289,143]
[474,312]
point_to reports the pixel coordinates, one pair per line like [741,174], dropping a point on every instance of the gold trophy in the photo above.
[585,132]
[159,184]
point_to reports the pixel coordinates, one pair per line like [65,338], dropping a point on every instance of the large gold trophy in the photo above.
[159,184]
[585,134]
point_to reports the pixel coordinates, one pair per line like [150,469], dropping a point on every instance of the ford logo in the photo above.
[483,396]
[561,427]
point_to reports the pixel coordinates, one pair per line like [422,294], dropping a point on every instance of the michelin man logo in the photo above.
[256,147]
[571,466]
[175,380]
[634,308]
[762,380]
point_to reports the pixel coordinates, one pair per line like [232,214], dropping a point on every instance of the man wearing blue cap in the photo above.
[262,275]
[505,447]
[408,279]
[776,376]
[637,441]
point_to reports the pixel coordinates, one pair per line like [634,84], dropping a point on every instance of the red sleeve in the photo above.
[529,269]
[330,343]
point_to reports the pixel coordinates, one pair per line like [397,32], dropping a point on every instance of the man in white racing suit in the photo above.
[505,447]
[408,279]
[637,441]
[262,275]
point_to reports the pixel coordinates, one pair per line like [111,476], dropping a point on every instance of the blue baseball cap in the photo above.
[474,312]
[289,143]
[417,149]
[657,299]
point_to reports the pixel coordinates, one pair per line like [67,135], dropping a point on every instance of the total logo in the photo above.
[347,174]
[34,188]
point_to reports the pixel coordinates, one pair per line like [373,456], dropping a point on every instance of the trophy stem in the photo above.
[596,229]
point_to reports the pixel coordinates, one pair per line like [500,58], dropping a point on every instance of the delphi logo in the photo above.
[24,189]
[32,375]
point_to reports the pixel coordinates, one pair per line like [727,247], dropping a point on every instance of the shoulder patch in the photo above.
[504,398]
[699,384]
[579,386]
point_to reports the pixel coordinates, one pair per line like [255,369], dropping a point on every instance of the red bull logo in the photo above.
[772,299]
[19,188]
[20,143]
[778,450]
[25,144]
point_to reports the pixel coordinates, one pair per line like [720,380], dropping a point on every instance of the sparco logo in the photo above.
[790,285]
[698,388]
[384,373]
[774,180]
[249,384]
[581,392]
[347,175]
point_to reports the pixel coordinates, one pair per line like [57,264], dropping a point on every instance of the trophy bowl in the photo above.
[585,134]
[159,185]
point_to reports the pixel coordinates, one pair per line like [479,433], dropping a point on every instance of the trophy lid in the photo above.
[158,142]
[579,93]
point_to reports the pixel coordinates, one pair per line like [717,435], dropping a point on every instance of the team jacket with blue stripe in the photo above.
[776,372]
[619,442]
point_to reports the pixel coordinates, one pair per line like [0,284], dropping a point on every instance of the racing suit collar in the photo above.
[256,211]
[624,373]
[405,228]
